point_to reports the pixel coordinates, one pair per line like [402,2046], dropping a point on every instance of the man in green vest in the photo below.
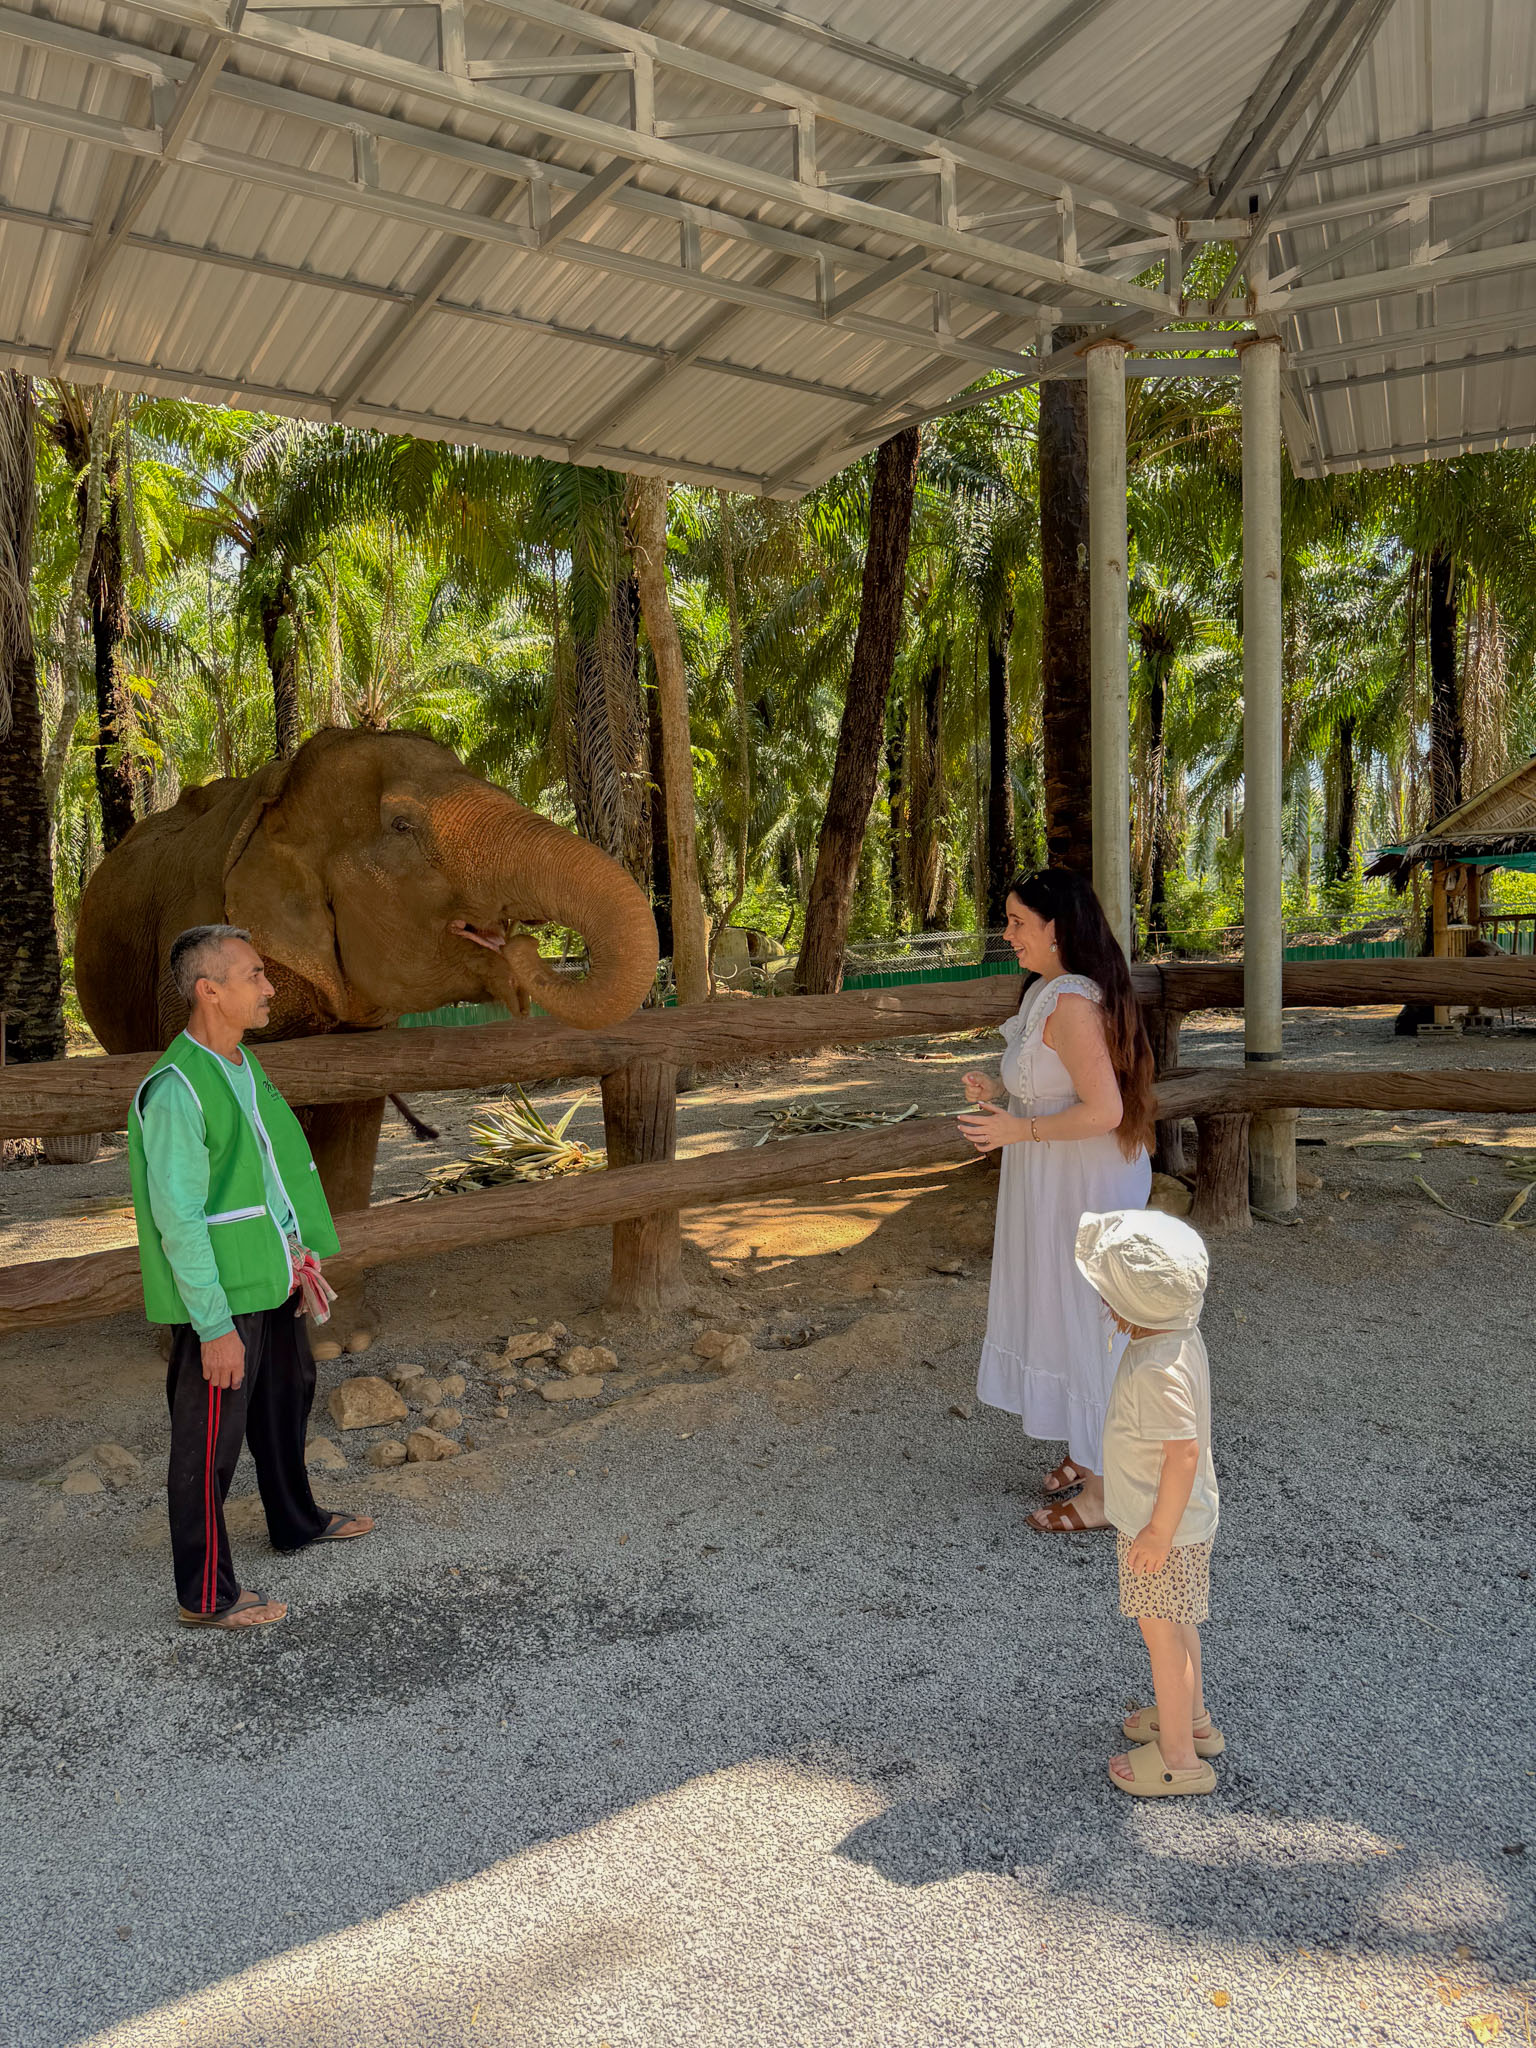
[230,1214]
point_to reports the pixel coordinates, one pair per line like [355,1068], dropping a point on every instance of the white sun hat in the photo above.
[1151,1268]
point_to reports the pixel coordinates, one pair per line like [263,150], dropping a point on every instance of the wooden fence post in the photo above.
[1221,1174]
[1163,1030]
[640,1125]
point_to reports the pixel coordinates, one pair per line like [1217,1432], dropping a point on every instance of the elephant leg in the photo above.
[344,1136]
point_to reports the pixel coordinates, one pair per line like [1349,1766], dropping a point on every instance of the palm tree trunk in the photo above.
[1446,738]
[927,800]
[109,629]
[1342,861]
[661,866]
[647,512]
[30,997]
[743,791]
[1067,716]
[1002,847]
[280,638]
[899,841]
[1157,799]
[857,766]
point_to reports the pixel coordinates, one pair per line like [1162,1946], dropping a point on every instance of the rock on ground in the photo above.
[382,1455]
[324,1455]
[365,1403]
[427,1446]
[443,1418]
[425,1393]
[83,1482]
[583,1359]
[585,1387]
[725,1348]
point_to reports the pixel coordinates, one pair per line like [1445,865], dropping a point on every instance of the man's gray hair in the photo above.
[195,955]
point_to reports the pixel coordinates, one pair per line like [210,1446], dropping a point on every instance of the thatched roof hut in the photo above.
[1494,829]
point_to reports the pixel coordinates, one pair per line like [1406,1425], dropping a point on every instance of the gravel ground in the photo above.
[744,1709]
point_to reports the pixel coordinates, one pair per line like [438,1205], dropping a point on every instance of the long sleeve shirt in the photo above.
[176,1165]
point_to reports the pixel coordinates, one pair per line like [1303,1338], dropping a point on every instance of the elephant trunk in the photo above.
[515,867]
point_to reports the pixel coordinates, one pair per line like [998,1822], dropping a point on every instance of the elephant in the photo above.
[377,876]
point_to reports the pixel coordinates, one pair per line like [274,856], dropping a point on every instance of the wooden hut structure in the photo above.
[1494,829]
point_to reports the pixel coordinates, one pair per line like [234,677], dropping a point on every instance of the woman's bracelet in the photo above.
[1034,1130]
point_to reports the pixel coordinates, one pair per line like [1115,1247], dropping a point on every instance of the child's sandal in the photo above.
[1144,1727]
[1151,1778]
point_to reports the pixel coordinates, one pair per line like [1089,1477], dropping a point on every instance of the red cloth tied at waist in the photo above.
[315,1292]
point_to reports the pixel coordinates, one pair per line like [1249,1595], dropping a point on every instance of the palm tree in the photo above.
[856,769]
[30,994]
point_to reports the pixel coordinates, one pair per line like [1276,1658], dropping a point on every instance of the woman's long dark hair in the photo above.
[1086,945]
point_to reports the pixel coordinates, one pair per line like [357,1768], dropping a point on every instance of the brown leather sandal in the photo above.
[1062,1519]
[1062,1476]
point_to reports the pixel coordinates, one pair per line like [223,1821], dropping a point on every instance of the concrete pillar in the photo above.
[1110,635]
[1272,1144]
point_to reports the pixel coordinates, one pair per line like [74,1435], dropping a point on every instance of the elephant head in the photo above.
[383,877]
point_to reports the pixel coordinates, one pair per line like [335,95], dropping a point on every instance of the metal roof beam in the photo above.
[1372,152]
[1398,217]
[1388,344]
[354,59]
[1052,36]
[1375,12]
[453,221]
[1480,178]
[382,419]
[1293,78]
[49,34]
[1411,277]
[1492,360]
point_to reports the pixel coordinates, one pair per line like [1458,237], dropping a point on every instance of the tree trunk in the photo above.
[647,513]
[1002,848]
[1157,799]
[109,629]
[1064,650]
[857,766]
[899,840]
[661,867]
[1342,861]
[1446,739]
[925,830]
[30,995]
[743,790]
[280,638]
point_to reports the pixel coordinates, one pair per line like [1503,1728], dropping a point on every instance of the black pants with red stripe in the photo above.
[270,1411]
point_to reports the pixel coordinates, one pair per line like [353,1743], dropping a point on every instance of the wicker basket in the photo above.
[78,1148]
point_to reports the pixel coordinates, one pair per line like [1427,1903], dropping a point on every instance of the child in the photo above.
[1159,1483]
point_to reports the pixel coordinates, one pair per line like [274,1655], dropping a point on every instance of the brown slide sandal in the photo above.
[1151,1778]
[1144,1727]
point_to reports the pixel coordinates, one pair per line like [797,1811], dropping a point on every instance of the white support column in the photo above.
[1272,1145]
[1110,636]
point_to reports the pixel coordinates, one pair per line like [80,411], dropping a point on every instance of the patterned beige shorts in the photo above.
[1181,1591]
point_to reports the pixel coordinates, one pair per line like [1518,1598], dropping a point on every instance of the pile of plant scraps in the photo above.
[515,1144]
[802,1119]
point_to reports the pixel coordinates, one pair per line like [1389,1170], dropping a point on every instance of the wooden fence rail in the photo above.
[57,1097]
[1221,1100]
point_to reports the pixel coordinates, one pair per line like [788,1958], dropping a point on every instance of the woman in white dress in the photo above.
[1073,1116]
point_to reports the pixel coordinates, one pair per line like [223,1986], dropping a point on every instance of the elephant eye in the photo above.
[402,824]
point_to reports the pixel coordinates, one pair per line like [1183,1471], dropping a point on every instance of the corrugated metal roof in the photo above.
[743,243]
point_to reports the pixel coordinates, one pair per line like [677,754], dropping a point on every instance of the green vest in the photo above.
[249,1248]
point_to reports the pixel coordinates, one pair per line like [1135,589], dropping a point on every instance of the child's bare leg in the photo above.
[1189,1635]
[1173,1681]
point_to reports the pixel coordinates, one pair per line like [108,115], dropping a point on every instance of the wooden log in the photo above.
[61,1096]
[49,1291]
[1469,1090]
[94,1094]
[1221,1174]
[640,1124]
[1163,1029]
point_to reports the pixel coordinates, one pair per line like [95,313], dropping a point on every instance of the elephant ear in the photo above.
[275,889]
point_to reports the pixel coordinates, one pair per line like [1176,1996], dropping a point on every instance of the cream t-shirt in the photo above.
[1162,1394]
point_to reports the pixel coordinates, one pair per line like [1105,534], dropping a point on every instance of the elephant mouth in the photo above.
[492,936]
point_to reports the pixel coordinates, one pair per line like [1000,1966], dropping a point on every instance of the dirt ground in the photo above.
[736,1702]
[812,1261]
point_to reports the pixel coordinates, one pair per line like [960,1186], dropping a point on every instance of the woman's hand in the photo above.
[988,1127]
[1149,1551]
[982,1087]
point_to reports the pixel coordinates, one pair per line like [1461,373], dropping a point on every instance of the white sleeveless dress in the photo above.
[1047,1356]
